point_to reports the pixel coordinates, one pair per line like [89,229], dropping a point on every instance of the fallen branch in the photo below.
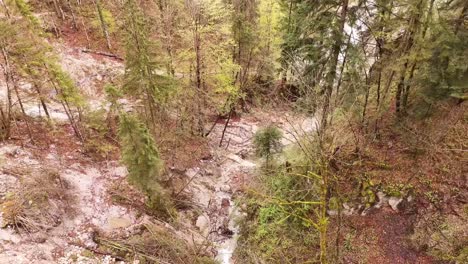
[97,251]
[103,54]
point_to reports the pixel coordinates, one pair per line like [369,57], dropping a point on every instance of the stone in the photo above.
[332,212]
[394,202]
[383,199]
[209,172]
[225,188]
[203,224]
[192,172]
[119,222]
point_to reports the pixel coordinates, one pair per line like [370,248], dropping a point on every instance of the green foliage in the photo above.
[267,141]
[25,10]
[97,130]
[68,91]
[145,167]
[276,229]
[112,93]
[141,79]
[108,19]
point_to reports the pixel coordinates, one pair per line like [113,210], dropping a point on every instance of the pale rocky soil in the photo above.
[213,184]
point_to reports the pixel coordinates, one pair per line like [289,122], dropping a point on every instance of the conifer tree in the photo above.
[145,167]
[142,80]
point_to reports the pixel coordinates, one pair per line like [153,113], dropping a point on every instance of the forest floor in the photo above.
[86,187]
[421,169]
[212,179]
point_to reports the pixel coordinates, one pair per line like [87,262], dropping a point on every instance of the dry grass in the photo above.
[38,203]
[155,244]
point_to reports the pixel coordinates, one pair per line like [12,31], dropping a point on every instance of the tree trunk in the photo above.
[102,21]
[15,87]
[407,46]
[7,11]
[6,117]
[407,88]
[75,25]
[198,76]
[331,75]
[58,9]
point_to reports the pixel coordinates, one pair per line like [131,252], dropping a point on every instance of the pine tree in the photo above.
[145,167]
[142,80]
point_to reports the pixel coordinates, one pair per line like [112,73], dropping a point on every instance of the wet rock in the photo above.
[394,202]
[224,228]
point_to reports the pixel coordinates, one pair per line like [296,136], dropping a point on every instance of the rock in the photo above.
[225,188]
[383,199]
[332,212]
[192,172]
[7,183]
[209,172]
[368,211]
[203,224]
[208,156]
[224,228]
[394,202]
[119,222]
[120,171]
[39,238]
[348,210]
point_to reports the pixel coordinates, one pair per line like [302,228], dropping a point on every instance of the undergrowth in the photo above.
[279,227]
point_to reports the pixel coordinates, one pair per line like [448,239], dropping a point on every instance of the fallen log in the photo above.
[102,53]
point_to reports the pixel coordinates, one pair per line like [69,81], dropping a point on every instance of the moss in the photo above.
[333,203]
[398,190]
[88,254]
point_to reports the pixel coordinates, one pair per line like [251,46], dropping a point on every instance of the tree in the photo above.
[267,141]
[103,22]
[145,167]
[142,80]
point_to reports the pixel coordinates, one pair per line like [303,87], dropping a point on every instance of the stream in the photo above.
[221,179]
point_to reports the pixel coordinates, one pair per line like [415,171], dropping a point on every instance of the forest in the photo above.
[233,131]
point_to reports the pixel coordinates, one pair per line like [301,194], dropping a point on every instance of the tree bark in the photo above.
[105,31]
[331,75]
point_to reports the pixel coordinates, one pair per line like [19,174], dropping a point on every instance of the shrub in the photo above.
[267,141]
